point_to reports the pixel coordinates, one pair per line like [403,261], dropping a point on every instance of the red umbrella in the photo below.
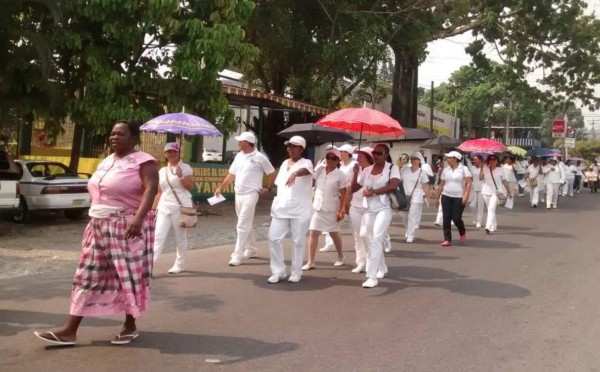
[482,145]
[365,121]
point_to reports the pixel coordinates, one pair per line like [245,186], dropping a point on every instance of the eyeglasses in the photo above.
[331,158]
[378,153]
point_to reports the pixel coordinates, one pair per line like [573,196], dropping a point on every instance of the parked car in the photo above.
[211,155]
[51,185]
[9,184]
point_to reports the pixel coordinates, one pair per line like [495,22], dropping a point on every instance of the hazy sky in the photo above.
[447,56]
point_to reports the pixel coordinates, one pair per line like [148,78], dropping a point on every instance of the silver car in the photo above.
[51,185]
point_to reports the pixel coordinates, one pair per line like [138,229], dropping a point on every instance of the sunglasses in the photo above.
[331,158]
[378,153]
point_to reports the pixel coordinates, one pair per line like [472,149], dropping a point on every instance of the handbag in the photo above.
[533,182]
[188,216]
[398,196]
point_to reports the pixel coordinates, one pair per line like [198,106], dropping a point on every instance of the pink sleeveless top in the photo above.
[117,182]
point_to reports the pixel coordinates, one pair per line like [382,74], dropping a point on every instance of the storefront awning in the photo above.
[249,97]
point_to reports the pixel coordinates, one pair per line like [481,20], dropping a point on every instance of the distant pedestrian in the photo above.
[494,186]
[534,178]
[113,275]
[291,211]
[554,178]
[175,182]
[593,176]
[477,201]
[246,171]
[570,174]
[416,186]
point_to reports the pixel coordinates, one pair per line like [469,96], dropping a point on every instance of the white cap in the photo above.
[171,146]
[553,158]
[347,148]
[333,151]
[454,154]
[368,152]
[296,140]
[418,155]
[246,136]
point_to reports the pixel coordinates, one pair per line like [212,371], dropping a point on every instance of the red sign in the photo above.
[558,126]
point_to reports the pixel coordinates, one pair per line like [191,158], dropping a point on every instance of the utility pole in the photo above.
[508,119]
[431,110]
[566,134]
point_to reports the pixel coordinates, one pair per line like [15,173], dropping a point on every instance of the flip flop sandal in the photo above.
[124,339]
[54,340]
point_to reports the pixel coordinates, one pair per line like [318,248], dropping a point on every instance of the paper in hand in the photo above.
[215,199]
[509,203]
[522,183]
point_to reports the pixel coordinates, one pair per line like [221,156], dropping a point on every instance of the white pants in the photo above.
[542,190]
[568,187]
[245,205]
[164,224]
[477,205]
[298,228]
[534,195]
[360,246]
[374,229]
[492,202]
[413,219]
[552,194]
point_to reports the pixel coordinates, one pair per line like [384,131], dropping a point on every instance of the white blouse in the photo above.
[377,203]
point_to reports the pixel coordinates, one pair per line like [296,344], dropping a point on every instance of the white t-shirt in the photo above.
[293,201]
[454,181]
[534,172]
[509,173]
[168,203]
[488,186]
[553,173]
[427,169]
[413,180]
[521,166]
[327,190]
[357,197]
[477,184]
[570,172]
[377,203]
[347,169]
[248,170]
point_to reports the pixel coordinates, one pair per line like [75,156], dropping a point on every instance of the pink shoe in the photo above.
[446,243]
[463,238]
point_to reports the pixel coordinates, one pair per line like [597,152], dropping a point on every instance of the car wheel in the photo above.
[74,214]
[23,215]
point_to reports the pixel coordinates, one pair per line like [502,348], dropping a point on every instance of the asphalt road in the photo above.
[523,299]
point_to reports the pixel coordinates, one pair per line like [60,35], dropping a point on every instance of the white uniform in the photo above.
[489,190]
[355,216]
[534,173]
[554,178]
[477,201]
[168,210]
[347,170]
[291,212]
[326,201]
[510,176]
[248,170]
[570,172]
[377,217]
[413,181]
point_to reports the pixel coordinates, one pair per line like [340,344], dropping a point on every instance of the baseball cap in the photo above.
[454,154]
[333,151]
[172,146]
[296,140]
[418,155]
[246,136]
[368,152]
[347,148]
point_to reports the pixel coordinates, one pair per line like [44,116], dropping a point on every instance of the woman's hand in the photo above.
[465,200]
[340,215]
[178,172]
[368,193]
[134,228]
[291,180]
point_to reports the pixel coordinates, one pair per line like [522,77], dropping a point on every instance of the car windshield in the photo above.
[50,170]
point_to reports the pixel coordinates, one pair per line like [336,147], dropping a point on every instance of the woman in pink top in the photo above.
[113,275]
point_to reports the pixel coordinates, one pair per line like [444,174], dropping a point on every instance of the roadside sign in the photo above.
[570,133]
[558,126]
[569,143]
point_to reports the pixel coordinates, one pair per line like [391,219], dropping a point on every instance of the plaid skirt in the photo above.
[113,275]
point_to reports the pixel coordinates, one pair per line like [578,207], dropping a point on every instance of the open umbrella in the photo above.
[315,134]
[483,145]
[181,123]
[516,150]
[576,159]
[539,152]
[441,143]
[366,121]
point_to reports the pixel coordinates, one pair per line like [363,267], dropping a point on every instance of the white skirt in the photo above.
[324,222]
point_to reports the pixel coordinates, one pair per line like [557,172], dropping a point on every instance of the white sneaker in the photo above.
[380,274]
[358,269]
[478,226]
[409,240]
[176,269]
[250,254]
[437,224]
[235,262]
[275,278]
[339,263]
[370,283]
[327,248]
[295,278]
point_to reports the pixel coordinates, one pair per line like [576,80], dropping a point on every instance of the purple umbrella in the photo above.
[181,123]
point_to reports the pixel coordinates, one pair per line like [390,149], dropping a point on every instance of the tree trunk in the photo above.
[76,148]
[404,89]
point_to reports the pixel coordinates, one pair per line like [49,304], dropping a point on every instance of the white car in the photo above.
[9,185]
[211,155]
[51,185]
